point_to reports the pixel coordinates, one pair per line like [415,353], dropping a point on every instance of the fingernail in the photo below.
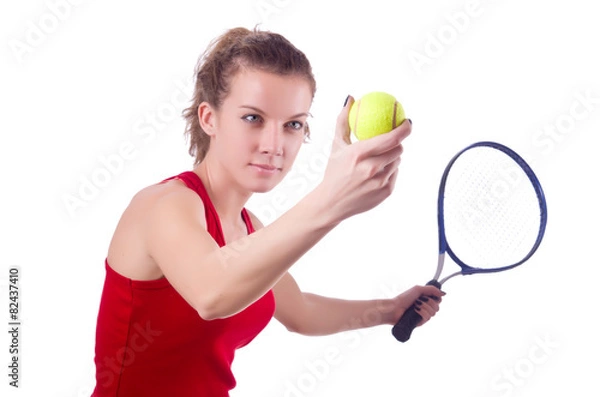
[418,302]
[417,308]
[410,121]
[346,101]
[424,298]
[435,298]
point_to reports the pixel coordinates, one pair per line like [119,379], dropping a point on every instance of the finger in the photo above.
[385,162]
[425,317]
[382,143]
[430,304]
[385,181]
[430,290]
[429,298]
[392,178]
[342,128]
[390,168]
[426,310]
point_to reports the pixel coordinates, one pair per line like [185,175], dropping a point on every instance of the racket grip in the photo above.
[407,323]
[409,320]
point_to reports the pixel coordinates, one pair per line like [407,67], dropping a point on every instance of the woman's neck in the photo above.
[226,195]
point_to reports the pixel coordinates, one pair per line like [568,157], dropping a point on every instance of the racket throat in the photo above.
[438,273]
[435,283]
[440,266]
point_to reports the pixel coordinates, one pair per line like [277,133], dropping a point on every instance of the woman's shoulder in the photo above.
[168,192]
[158,207]
[162,202]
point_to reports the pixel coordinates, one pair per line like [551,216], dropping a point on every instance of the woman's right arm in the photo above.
[222,281]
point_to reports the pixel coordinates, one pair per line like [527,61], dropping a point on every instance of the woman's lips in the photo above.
[265,168]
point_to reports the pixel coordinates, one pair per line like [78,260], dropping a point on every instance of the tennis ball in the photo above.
[374,114]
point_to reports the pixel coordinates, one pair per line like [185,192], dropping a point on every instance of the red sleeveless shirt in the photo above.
[151,343]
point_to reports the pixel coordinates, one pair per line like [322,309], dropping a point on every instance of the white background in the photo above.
[79,79]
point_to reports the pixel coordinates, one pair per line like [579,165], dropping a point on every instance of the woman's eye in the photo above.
[252,118]
[296,125]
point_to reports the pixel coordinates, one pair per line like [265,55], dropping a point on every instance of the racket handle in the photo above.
[407,323]
[409,320]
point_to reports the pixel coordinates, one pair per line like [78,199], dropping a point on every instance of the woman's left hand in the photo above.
[427,301]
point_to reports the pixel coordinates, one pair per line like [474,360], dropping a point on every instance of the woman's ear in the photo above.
[206,117]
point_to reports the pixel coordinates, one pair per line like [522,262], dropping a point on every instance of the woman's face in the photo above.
[260,127]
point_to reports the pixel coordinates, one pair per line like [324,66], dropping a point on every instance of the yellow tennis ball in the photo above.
[374,114]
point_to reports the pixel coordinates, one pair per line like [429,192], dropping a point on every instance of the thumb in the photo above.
[342,128]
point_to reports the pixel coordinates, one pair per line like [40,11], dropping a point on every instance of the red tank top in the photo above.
[151,343]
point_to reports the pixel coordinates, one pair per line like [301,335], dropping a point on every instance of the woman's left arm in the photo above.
[310,314]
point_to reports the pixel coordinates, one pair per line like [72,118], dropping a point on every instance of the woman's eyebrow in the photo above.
[258,110]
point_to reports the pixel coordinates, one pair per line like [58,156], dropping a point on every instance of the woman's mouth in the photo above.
[265,168]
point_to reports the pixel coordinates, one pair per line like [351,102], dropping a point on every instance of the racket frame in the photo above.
[444,247]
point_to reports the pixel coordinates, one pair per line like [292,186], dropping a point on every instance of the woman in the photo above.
[191,275]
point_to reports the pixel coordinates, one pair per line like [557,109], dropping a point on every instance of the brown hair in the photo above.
[237,47]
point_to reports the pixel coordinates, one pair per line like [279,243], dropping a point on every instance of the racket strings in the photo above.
[491,211]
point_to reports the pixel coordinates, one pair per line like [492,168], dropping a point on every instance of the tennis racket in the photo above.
[491,217]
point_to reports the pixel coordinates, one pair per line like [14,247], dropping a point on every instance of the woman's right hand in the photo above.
[361,175]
